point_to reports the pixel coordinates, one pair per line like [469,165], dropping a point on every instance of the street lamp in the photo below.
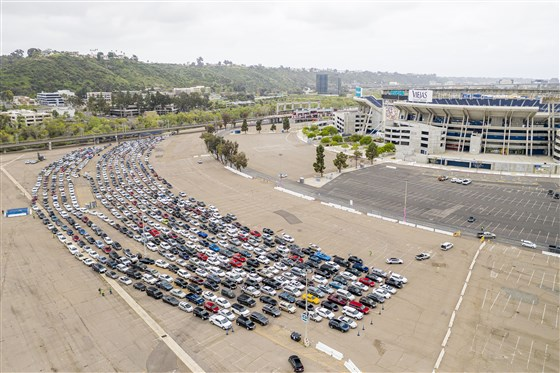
[305,340]
[405,197]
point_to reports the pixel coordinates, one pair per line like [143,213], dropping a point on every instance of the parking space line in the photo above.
[544,359]
[485,344]
[531,311]
[543,313]
[530,352]
[495,299]
[542,280]
[515,349]
[517,309]
[519,277]
[474,336]
[557,313]
[531,278]
[553,282]
[507,302]
[509,274]
[528,217]
[484,300]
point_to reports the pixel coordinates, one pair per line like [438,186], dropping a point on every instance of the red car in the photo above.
[367,281]
[335,298]
[360,307]
[239,257]
[211,306]
[235,263]
[202,256]
[255,233]
[107,249]
[196,279]
[296,259]
[75,238]
[242,238]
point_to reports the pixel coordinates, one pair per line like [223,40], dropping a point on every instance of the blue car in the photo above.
[287,297]
[323,256]
[215,248]
[360,267]
[202,234]
[82,231]
[336,285]
[195,299]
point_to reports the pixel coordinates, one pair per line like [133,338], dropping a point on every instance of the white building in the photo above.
[366,119]
[50,99]
[107,96]
[198,89]
[30,117]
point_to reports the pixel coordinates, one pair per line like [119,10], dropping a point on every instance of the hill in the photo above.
[27,76]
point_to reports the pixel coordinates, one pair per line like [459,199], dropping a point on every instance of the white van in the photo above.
[345,293]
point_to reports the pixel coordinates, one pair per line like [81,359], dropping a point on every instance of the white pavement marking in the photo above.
[484,300]
[515,350]
[509,274]
[542,280]
[485,344]
[531,310]
[495,299]
[557,312]
[530,351]
[531,278]
[474,337]
[158,330]
[543,313]
[544,359]
[507,302]
[517,309]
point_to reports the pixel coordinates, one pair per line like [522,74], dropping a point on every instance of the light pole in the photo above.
[405,197]
[305,340]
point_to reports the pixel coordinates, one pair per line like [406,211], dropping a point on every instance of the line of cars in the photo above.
[201,249]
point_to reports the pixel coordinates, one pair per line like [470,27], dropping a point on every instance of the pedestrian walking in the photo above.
[102,293]
[99,290]
[111,291]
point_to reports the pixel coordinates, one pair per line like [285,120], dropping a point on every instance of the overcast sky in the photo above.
[448,38]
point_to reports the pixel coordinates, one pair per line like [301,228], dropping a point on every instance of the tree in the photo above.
[357,155]
[226,118]
[240,161]
[99,56]
[200,61]
[286,124]
[210,128]
[258,126]
[366,140]
[18,53]
[273,127]
[33,52]
[340,161]
[244,126]
[371,151]
[319,165]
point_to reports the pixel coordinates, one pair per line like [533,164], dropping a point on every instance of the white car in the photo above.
[394,261]
[352,312]
[208,295]
[201,272]
[185,306]
[314,316]
[323,312]
[183,273]
[466,181]
[220,321]
[162,263]
[320,279]
[182,262]
[268,290]
[166,277]
[73,249]
[292,290]
[251,290]
[222,302]
[227,314]
[528,244]
[348,321]
[108,240]
[398,277]
[287,238]
[88,261]
[388,288]
[446,246]
[178,293]
[359,285]
[349,276]
[382,292]
[125,280]
[149,279]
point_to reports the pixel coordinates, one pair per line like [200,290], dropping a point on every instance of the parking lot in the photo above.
[404,335]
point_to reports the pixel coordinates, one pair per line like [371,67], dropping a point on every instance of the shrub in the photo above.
[365,140]
[337,138]
[326,140]
[345,146]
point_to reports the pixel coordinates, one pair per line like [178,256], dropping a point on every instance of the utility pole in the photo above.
[405,197]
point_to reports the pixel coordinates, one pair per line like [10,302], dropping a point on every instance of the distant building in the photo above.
[129,111]
[24,100]
[50,99]
[322,83]
[312,114]
[198,89]
[167,109]
[107,96]
[29,117]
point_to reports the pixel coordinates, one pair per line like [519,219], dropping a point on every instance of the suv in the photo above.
[446,246]
[485,235]
[246,300]
[227,293]
[286,306]
[271,310]
[154,292]
[245,322]
[339,325]
[201,312]
[259,318]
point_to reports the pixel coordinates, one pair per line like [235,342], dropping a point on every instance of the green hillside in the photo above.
[27,76]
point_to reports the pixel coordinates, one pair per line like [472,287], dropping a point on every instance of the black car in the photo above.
[246,300]
[287,297]
[245,322]
[194,288]
[268,300]
[211,285]
[271,310]
[201,312]
[253,263]
[259,318]
[251,282]
[331,306]
[394,282]
[340,261]
[355,290]
[230,284]
[339,325]
[140,286]
[301,304]
[154,292]
[227,293]
[368,302]
[376,297]
[162,284]
[295,361]
[171,300]
[355,259]
[181,283]
[268,231]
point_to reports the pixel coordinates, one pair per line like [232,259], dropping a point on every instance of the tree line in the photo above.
[225,151]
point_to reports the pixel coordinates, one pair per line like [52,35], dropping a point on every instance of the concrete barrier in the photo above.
[238,172]
[375,216]
[443,232]
[295,194]
[551,254]
[329,351]
[352,368]
[389,219]
[425,228]
[407,224]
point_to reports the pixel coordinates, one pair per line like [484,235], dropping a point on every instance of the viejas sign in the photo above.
[420,95]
